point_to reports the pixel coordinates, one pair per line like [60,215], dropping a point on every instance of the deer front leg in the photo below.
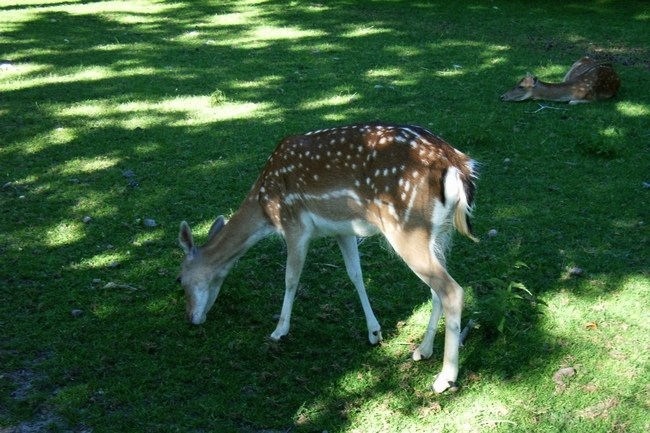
[425,350]
[350,252]
[296,253]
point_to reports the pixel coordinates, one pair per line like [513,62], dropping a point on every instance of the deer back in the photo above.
[361,178]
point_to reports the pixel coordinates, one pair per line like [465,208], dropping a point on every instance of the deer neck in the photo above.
[245,228]
[560,92]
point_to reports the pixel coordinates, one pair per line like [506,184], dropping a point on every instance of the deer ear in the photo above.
[186,241]
[217,225]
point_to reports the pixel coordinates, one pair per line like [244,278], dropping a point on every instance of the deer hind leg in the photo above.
[451,296]
[350,252]
[418,253]
[425,350]
[296,254]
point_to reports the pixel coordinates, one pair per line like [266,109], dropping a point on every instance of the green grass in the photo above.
[192,96]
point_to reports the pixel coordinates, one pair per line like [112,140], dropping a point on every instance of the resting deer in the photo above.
[586,81]
[401,181]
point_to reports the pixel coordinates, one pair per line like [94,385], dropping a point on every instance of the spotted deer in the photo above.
[358,180]
[586,81]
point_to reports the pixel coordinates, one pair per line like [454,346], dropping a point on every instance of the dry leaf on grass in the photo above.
[559,377]
[598,410]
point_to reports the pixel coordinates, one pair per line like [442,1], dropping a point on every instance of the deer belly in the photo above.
[321,226]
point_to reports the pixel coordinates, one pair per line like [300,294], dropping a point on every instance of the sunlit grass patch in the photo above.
[64,233]
[332,101]
[633,109]
[178,111]
[78,166]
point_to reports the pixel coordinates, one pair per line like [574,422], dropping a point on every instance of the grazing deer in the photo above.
[350,181]
[586,81]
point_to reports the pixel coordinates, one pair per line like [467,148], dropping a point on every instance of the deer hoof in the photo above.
[375,337]
[441,385]
[277,336]
[419,354]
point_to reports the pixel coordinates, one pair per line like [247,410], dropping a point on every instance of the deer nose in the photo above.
[195,318]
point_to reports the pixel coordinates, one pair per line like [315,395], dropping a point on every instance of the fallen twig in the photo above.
[543,107]
[112,285]
[498,421]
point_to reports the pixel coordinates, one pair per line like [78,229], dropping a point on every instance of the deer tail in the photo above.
[465,206]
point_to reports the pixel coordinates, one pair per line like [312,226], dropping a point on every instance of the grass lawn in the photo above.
[120,119]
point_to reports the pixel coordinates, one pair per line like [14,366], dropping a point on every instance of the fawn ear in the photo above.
[217,225]
[186,241]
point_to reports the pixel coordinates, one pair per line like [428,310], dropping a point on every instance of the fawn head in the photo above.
[522,91]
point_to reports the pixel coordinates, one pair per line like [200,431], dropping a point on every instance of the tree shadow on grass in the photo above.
[124,90]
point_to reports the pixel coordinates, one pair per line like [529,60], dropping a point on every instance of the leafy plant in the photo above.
[505,307]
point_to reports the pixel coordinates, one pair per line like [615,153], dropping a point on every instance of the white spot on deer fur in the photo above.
[415,174]
[403,196]
[382,140]
[315,177]
[368,181]
[360,149]
[392,211]
[407,186]
[393,170]
[357,183]
[385,172]
[409,206]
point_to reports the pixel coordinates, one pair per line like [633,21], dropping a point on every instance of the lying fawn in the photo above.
[344,182]
[586,81]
